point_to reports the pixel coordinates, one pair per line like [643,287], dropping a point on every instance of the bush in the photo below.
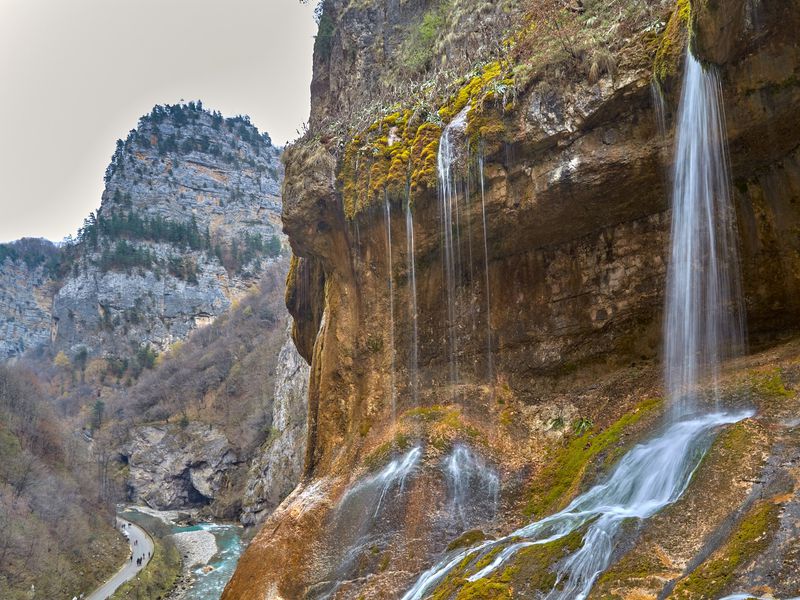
[418,50]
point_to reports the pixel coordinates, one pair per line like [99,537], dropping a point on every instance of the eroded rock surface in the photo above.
[174,467]
[278,465]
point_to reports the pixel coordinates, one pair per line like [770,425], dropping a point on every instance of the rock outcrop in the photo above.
[189,219]
[188,229]
[27,286]
[534,303]
[278,464]
[174,466]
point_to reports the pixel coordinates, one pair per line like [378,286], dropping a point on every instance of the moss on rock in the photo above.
[564,472]
[750,537]
[673,41]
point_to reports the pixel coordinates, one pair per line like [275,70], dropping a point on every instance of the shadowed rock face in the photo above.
[577,226]
[26,297]
[278,464]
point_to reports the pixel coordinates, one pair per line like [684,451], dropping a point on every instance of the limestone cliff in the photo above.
[175,467]
[186,241]
[188,220]
[219,423]
[28,272]
[277,465]
[481,264]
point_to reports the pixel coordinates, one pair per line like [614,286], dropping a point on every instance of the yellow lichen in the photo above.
[386,159]
[673,41]
[398,152]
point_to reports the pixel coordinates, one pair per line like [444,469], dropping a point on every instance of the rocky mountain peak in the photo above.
[189,219]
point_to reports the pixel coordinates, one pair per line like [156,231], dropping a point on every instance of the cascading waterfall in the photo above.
[451,244]
[704,321]
[413,368]
[448,199]
[659,107]
[701,317]
[364,520]
[470,483]
[391,300]
[376,487]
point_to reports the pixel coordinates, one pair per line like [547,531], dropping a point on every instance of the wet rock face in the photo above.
[173,467]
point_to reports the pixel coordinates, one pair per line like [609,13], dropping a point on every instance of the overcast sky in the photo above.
[75,75]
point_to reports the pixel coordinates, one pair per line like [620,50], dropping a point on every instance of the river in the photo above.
[210,552]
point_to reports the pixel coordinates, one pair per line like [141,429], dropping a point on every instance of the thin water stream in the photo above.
[390,277]
[448,199]
[413,367]
[473,486]
[489,354]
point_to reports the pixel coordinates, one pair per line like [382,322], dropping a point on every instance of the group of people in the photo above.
[141,559]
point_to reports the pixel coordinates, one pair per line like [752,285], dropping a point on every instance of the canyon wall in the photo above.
[544,308]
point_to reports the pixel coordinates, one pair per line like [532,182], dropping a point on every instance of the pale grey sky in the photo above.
[75,75]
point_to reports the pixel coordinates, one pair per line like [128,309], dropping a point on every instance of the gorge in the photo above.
[516,316]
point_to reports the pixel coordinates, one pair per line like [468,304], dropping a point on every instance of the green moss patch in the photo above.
[529,570]
[468,538]
[769,384]
[383,453]
[673,41]
[565,469]
[750,538]
[393,156]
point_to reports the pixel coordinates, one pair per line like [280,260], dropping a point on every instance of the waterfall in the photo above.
[375,487]
[473,486]
[391,300]
[413,368]
[489,356]
[659,107]
[365,518]
[703,325]
[448,199]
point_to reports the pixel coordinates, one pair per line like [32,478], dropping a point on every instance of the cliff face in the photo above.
[175,467]
[533,295]
[189,219]
[277,465]
[27,284]
[219,423]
